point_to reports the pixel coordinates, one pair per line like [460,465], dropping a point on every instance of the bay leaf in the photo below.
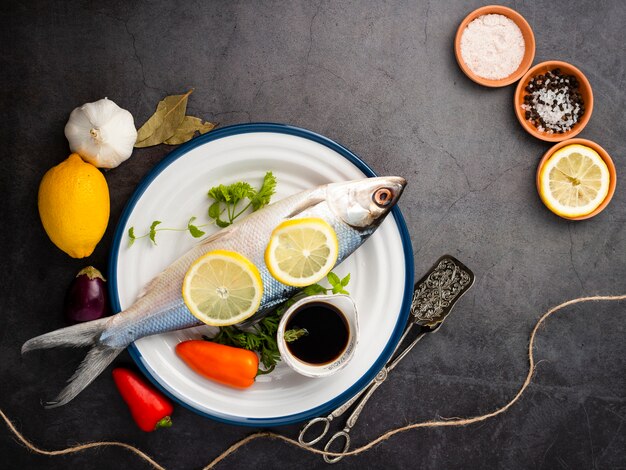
[187,130]
[163,123]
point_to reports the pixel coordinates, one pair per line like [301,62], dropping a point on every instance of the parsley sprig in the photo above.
[194,231]
[226,199]
[262,338]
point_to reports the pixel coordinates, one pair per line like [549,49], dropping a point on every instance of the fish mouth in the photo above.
[400,183]
[399,180]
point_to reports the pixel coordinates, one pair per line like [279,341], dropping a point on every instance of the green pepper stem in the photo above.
[164,423]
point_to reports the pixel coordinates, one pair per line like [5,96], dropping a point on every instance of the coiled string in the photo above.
[271,435]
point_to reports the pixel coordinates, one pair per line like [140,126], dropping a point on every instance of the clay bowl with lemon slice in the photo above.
[576,179]
[584,88]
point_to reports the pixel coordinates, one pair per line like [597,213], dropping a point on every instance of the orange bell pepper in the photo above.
[228,365]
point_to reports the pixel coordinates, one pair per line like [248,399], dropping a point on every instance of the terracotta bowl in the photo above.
[527,33]
[605,156]
[585,91]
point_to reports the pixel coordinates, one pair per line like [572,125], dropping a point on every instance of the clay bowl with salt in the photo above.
[584,88]
[529,45]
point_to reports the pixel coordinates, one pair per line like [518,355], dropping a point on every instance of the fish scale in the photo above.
[350,209]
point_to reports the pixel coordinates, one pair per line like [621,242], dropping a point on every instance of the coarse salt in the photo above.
[492,46]
[562,115]
[553,102]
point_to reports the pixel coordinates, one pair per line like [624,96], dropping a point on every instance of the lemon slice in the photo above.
[574,181]
[302,251]
[222,288]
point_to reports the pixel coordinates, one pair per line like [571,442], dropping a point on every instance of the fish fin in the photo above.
[304,205]
[83,334]
[97,359]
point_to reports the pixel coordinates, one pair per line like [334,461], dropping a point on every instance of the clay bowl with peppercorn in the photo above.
[568,109]
[527,34]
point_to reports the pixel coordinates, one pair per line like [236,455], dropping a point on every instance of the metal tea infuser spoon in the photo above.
[433,298]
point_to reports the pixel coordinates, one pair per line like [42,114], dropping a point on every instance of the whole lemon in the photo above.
[74,206]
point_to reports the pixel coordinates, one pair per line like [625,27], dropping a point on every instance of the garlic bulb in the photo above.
[102,133]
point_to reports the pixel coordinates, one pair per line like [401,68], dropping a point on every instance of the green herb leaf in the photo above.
[314,289]
[187,130]
[216,193]
[153,230]
[225,190]
[333,279]
[164,122]
[263,195]
[214,210]
[240,190]
[293,335]
[131,235]
[345,280]
[193,230]
[222,223]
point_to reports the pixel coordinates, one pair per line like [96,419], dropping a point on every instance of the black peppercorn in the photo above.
[558,96]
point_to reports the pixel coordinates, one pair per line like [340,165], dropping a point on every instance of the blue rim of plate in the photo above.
[344,152]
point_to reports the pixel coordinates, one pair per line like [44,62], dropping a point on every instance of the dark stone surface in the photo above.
[379,77]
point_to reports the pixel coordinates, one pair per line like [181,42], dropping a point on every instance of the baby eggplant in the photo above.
[86,298]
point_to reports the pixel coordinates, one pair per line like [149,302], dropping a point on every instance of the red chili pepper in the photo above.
[232,366]
[149,408]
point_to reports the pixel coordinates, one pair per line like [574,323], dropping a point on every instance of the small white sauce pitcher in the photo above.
[347,307]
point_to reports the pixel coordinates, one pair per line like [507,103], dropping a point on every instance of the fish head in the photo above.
[365,203]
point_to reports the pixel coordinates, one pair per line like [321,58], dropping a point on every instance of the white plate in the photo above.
[381,282]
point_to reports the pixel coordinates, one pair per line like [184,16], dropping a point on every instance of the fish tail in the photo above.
[83,334]
[97,359]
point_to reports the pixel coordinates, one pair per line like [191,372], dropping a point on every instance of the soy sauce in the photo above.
[327,336]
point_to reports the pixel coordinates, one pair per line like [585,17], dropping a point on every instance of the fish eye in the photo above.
[382,197]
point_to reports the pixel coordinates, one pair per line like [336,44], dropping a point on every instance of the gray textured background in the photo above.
[380,78]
